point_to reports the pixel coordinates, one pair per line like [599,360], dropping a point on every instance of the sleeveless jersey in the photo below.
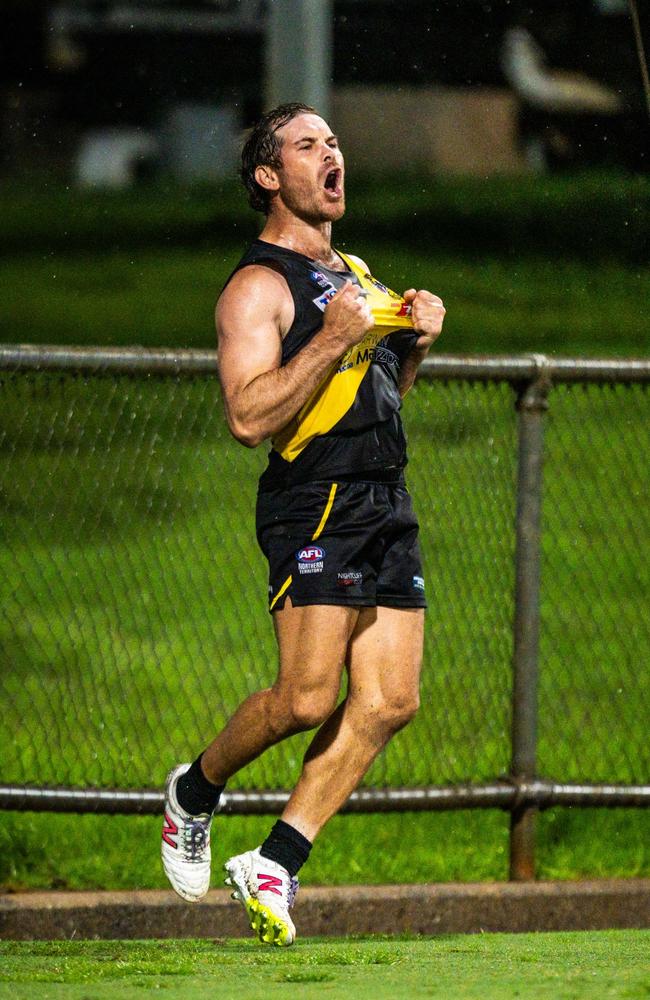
[350,425]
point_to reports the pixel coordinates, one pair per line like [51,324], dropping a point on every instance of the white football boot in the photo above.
[267,892]
[185,846]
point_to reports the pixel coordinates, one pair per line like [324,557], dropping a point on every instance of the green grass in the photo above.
[559,966]
[125,644]
[166,298]
[120,587]
[592,217]
[129,651]
[44,850]
[115,852]
[557,265]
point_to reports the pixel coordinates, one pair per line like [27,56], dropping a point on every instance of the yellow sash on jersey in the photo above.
[387,307]
[336,394]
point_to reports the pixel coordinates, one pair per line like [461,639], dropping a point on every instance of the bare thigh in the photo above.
[385,659]
[384,656]
[313,643]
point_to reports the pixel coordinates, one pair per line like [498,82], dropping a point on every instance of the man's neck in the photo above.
[311,239]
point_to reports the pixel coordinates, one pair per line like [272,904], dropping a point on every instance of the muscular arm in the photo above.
[255,310]
[428,314]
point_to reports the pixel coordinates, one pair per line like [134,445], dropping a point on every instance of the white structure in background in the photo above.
[525,69]
[198,141]
[112,157]
[299,53]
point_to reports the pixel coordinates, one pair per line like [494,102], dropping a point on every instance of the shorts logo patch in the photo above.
[310,559]
[418,582]
[350,579]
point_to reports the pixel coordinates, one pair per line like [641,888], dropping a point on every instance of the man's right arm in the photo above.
[261,395]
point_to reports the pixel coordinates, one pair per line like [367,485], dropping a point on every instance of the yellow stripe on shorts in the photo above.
[287,583]
[326,512]
[319,530]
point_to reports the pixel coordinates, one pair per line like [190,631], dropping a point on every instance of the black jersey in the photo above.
[350,426]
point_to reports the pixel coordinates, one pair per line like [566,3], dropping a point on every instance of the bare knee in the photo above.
[310,709]
[300,710]
[396,712]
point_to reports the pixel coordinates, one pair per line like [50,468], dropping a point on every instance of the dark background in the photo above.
[131,78]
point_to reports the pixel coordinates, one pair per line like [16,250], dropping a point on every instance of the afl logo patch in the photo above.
[320,279]
[310,554]
[310,560]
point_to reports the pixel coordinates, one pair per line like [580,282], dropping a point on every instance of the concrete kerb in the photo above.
[422,909]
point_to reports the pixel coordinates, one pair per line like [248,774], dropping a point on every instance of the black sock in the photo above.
[287,847]
[194,793]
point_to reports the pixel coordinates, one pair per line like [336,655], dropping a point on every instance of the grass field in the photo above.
[555,265]
[559,966]
[126,649]
[106,621]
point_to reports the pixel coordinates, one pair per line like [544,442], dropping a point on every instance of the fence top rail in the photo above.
[182,361]
[120,360]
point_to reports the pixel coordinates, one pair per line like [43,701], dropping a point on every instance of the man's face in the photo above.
[312,173]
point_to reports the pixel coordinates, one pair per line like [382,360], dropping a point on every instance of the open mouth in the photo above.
[333,181]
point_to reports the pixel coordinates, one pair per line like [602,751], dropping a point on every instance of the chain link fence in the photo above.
[133,597]
[594,693]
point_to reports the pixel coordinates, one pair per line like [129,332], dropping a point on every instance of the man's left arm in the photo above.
[427,313]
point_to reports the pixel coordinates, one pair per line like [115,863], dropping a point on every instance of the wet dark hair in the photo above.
[262,149]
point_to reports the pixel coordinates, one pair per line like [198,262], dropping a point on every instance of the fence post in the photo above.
[532,402]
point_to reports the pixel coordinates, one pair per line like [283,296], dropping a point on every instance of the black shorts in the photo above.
[348,543]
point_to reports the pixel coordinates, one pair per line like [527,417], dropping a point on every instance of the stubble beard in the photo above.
[306,206]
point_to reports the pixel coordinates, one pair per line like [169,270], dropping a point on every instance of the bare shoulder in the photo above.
[253,313]
[255,295]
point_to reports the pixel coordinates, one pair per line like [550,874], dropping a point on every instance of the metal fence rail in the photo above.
[128,434]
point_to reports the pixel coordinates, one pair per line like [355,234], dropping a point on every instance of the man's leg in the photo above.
[302,697]
[384,660]
[312,643]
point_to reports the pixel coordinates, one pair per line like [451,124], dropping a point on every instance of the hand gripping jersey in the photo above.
[350,426]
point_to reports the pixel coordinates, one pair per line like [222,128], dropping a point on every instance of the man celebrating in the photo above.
[316,355]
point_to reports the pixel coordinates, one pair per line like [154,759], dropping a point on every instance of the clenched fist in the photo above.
[348,316]
[427,313]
